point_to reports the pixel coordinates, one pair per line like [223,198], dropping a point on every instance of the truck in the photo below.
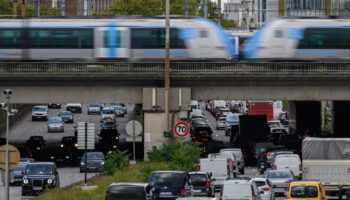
[252,129]
[232,119]
[327,160]
[219,168]
[261,108]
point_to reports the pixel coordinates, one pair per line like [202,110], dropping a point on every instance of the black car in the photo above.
[168,185]
[18,172]
[201,133]
[74,107]
[94,162]
[66,151]
[54,105]
[2,141]
[109,125]
[127,191]
[202,184]
[39,176]
[66,116]
[36,144]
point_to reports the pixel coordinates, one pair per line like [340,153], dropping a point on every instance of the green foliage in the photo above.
[148,167]
[184,158]
[115,160]
[285,106]
[6,8]
[228,23]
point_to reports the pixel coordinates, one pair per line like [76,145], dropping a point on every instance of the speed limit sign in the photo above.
[181,129]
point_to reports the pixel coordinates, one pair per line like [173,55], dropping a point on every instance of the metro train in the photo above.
[121,38]
[301,39]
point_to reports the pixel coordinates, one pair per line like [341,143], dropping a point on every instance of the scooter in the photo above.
[262,167]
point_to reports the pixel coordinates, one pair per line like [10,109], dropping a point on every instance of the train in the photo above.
[300,39]
[118,38]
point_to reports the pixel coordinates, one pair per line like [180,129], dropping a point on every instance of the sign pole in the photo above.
[133,142]
[7,175]
[85,178]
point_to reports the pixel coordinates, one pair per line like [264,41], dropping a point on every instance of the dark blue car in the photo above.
[168,185]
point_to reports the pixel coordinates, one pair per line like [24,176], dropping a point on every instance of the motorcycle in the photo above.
[262,167]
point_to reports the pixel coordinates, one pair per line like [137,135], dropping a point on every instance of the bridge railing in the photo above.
[179,67]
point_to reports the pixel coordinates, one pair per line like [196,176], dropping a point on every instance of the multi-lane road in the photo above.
[22,131]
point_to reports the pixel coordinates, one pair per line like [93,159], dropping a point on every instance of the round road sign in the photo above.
[181,129]
[14,157]
[130,127]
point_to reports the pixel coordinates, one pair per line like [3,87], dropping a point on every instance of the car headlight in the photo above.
[117,138]
[25,181]
[102,163]
[49,181]
[76,144]
[62,145]
[82,163]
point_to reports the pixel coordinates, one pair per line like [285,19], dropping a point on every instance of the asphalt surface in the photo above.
[22,131]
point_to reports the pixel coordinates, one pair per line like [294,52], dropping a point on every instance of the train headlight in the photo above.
[25,181]
[49,181]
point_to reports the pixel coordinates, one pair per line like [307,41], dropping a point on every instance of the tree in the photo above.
[6,8]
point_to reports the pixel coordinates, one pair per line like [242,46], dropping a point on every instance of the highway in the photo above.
[22,130]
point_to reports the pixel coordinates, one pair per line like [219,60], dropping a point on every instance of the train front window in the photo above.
[325,38]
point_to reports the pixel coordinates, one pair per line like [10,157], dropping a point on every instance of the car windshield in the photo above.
[274,124]
[39,169]
[304,192]
[237,153]
[279,174]
[126,192]
[222,120]
[107,111]
[259,183]
[109,123]
[166,179]
[94,155]
[195,177]
[55,120]
[20,167]
[40,109]
[118,108]
[94,105]
[65,113]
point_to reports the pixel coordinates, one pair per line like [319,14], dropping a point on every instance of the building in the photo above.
[102,5]
[239,11]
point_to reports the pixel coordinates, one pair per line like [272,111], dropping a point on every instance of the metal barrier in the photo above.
[190,67]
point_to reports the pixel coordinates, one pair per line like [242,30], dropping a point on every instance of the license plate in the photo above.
[165,194]
[197,190]
[262,165]
[37,188]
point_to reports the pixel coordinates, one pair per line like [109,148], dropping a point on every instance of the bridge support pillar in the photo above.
[340,118]
[305,116]
[154,116]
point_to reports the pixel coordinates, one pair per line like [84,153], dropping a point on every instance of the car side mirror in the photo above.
[261,192]
[214,179]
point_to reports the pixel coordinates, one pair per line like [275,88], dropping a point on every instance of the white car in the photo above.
[39,113]
[265,189]
[290,162]
[240,190]
[107,113]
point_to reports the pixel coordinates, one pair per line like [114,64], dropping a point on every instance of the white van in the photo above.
[277,109]
[289,162]
[218,167]
[240,190]
[194,105]
[232,159]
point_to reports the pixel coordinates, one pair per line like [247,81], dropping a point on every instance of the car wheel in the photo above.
[88,113]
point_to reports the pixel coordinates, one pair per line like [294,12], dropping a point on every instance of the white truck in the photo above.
[219,168]
[328,160]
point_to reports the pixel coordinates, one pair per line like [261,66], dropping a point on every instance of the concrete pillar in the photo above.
[305,116]
[340,118]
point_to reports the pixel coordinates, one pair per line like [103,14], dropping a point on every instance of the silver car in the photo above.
[94,109]
[265,189]
[55,124]
[280,180]
[39,113]
[221,124]
[107,113]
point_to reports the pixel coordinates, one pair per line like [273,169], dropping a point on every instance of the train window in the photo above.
[154,38]
[325,38]
[278,33]
[112,42]
[60,38]
[203,34]
[10,39]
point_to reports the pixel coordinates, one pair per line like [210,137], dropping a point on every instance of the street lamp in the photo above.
[9,112]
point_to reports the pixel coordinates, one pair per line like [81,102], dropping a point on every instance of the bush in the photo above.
[147,167]
[115,160]
[185,160]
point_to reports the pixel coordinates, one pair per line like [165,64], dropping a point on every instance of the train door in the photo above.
[278,43]
[204,45]
[111,43]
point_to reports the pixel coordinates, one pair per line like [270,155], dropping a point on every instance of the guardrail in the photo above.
[109,67]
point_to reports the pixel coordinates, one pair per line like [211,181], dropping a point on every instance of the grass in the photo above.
[75,193]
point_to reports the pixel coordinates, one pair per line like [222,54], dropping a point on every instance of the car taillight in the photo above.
[221,196]
[265,188]
[233,163]
[228,169]
[321,197]
[253,195]
[182,192]
[300,167]
[275,167]
[287,197]
[272,138]
[269,154]
[242,160]
[199,168]
[289,181]
[208,184]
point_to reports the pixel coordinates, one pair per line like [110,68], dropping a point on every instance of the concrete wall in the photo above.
[160,99]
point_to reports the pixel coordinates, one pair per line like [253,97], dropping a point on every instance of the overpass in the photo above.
[129,82]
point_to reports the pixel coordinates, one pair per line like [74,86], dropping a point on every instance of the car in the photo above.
[202,184]
[265,189]
[240,189]
[54,105]
[39,113]
[127,191]
[94,109]
[199,116]
[66,116]
[36,144]
[109,125]
[291,162]
[270,152]
[232,159]
[275,134]
[222,112]
[18,172]
[107,113]
[221,123]
[197,198]
[279,153]
[94,162]
[124,108]
[40,176]
[169,185]
[74,107]
[27,160]
[55,124]
[308,190]
[201,133]
[280,180]
[66,151]
[274,123]
[118,110]
[239,157]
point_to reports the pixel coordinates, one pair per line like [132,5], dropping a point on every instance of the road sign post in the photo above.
[133,128]
[181,129]
[86,140]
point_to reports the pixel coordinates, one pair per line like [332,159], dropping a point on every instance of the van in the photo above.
[306,190]
[289,162]
[239,156]
[218,167]
[127,191]
[240,190]
[232,159]
[194,105]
